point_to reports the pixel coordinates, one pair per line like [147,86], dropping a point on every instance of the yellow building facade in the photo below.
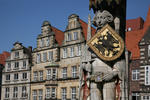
[56,61]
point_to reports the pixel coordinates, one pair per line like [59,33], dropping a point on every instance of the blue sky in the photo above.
[21,20]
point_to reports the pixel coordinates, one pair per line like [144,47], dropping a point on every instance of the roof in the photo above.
[3,57]
[132,40]
[59,35]
[85,27]
[133,37]
[135,24]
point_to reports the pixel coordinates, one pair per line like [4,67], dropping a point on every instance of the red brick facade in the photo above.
[137,42]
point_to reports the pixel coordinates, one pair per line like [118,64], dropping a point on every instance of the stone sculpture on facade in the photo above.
[99,77]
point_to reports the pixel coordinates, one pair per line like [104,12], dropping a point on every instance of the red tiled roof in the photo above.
[3,57]
[132,40]
[133,37]
[59,35]
[85,27]
[135,24]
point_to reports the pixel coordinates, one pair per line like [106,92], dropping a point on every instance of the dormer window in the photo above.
[75,35]
[17,54]
[47,41]
[42,42]
[69,37]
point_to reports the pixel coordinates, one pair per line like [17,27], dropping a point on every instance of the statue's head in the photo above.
[102,18]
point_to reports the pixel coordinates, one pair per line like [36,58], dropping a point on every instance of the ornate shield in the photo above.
[107,44]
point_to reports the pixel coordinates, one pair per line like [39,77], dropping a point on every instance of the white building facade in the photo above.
[16,74]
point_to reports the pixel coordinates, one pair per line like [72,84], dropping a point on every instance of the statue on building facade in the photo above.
[101,74]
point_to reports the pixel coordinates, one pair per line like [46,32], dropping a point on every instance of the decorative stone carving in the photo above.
[101,18]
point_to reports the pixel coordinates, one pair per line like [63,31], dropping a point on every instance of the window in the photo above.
[7,90]
[135,74]
[8,77]
[64,72]
[15,92]
[135,96]
[71,51]
[42,42]
[24,64]
[17,54]
[40,94]
[148,50]
[64,93]
[47,41]
[147,75]
[64,52]
[47,93]
[73,93]
[74,71]
[75,35]
[50,57]
[41,75]
[16,65]
[146,97]
[53,93]
[48,74]
[54,74]
[24,75]
[16,76]
[129,29]
[44,57]
[69,37]
[35,76]
[38,58]
[24,91]
[8,66]
[34,93]
[79,50]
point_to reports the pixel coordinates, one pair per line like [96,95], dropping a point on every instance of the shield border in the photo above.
[116,35]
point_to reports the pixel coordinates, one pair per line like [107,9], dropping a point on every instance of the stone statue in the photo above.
[101,77]
[102,18]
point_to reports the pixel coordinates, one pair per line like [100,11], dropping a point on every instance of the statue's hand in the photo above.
[110,76]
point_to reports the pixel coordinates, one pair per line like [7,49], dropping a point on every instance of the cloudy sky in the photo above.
[21,20]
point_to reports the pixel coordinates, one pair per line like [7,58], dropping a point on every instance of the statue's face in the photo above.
[102,18]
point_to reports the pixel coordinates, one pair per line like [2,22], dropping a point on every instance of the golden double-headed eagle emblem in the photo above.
[107,44]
